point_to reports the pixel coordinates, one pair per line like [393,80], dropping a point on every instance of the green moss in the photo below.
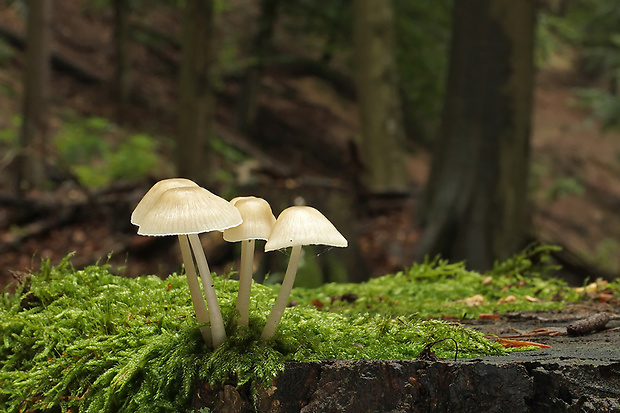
[91,341]
[437,288]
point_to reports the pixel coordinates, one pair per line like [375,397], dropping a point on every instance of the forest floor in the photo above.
[575,170]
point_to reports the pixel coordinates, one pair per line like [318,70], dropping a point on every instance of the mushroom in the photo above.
[145,204]
[147,201]
[188,211]
[297,226]
[257,223]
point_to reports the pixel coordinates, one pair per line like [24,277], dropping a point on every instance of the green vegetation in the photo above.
[87,146]
[563,186]
[605,254]
[437,288]
[6,52]
[9,136]
[90,341]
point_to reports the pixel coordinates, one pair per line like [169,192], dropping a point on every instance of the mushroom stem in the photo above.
[285,291]
[218,333]
[245,282]
[202,314]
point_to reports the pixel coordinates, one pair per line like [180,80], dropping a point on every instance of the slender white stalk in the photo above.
[218,333]
[285,291]
[200,308]
[245,282]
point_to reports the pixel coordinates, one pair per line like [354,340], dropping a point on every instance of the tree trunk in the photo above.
[476,206]
[33,137]
[121,51]
[382,132]
[196,92]
[248,100]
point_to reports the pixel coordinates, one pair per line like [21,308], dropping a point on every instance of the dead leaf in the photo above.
[509,299]
[473,301]
[317,303]
[604,297]
[489,316]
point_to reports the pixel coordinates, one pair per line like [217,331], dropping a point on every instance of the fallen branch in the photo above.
[535,333]
[518,343]
[39,228]
[36,216]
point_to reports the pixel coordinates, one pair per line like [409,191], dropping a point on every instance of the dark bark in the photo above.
[33,137]
[248,101]
[421,386]
[196,92]
[476,207]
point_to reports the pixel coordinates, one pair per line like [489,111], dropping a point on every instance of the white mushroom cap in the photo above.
[303,225]
[257,217]
[147,201]
[188,210]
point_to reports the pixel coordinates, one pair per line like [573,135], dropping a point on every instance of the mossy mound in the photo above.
[87,340]
[436,288]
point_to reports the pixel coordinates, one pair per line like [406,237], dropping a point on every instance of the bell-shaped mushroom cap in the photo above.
[188,210]
[303,225]
[147,201]
[257,217]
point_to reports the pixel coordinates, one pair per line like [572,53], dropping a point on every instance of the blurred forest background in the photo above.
[467,128]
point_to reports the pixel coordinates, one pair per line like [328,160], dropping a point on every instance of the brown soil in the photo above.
[567,145]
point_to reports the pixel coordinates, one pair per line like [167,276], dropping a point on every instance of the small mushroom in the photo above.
[145,204]
[297,226]
[257,223]
[189,211]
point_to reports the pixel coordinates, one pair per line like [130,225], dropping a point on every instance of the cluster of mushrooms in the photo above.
[179,206]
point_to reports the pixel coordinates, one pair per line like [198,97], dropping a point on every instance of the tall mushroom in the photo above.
[257,223]
[297,226]
[143,207]
[190,211]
